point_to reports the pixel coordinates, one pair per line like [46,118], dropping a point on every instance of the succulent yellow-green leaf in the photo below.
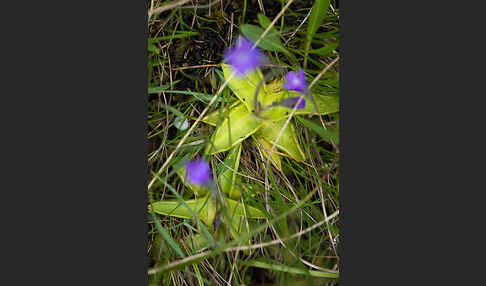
[227,176]
[236,209]
[244,87]
[208,216]
[198,190]
[326,104]
[205,209]
[264,147]
[269,100]
[237,127]
[212,118]
[177,209]
[287,142]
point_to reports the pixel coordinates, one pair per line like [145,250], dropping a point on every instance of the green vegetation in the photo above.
[272,213]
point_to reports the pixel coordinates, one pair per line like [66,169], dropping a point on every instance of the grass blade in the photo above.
[167,237]
[179,35]
[329,134]
[159,89]
[293,270]
[326,50]
[318,13]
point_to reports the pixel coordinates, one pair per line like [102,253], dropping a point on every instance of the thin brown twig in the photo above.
[166,7]
[323,72]
[195,67]
[175,4]
[261,6]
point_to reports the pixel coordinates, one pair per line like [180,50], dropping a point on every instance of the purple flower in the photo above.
[242,57]
[295,81]
[292,101]
[197,172]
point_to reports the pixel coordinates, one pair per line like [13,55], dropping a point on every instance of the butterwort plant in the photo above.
[245,119]
[265,125]
[237,122]
[241,120]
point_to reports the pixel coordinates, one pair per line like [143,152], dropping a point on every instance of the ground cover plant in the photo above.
[243,130]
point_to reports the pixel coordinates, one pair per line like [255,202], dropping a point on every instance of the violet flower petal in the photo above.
[242,57]
[198,172]
[295,81]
